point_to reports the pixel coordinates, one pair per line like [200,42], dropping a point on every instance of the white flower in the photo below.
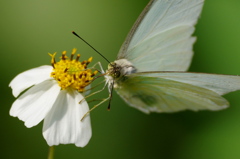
[54,97]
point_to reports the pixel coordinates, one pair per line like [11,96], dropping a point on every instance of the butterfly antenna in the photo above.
[90,46]
[110,99]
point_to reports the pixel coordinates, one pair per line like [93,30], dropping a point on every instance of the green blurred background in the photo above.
[30,29]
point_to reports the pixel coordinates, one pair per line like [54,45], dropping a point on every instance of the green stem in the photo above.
[51,152]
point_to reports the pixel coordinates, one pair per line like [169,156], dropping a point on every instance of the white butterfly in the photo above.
[149,71]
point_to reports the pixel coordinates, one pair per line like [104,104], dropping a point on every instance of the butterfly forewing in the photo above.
[175,47]
[164,34]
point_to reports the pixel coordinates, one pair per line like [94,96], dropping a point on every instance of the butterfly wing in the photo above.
[161,37]
[171,92]
[219,83]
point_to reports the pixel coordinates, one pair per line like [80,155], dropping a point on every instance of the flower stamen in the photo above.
[72,73]
[53,61]
[78,56]
[73,52]
[64,57]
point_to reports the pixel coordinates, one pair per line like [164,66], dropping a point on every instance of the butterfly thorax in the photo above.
[118,70]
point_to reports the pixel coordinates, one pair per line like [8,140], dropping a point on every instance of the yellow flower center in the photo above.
[71,72]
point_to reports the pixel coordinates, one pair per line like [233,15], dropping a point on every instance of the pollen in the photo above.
[70,72]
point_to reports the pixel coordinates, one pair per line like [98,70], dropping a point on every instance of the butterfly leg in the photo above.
[110,96]
[93,100]
[104,100]
[100,65]
[94,92]
[94,86]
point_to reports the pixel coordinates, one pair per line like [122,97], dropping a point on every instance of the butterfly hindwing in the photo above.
[219,83]
[154,92]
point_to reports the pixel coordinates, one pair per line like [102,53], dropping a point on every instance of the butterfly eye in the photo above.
[117,73]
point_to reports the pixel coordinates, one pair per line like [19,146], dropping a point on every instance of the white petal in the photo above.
[30,77]
[32,106]
[63,126]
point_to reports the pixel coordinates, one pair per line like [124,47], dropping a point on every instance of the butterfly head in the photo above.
[120,68]
[114,70]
